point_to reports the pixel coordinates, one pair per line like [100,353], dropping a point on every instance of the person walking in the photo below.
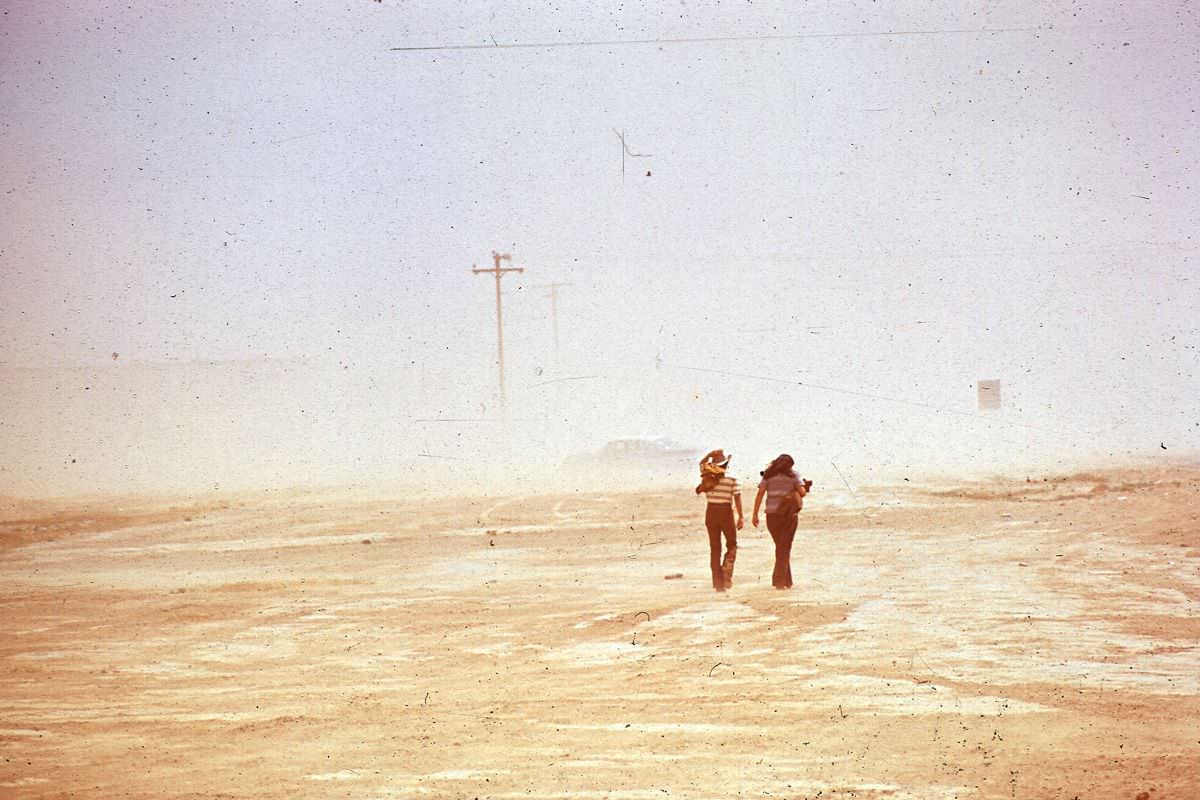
[722,496]
[785,492]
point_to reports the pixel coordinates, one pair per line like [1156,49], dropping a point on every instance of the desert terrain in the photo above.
[1029,639]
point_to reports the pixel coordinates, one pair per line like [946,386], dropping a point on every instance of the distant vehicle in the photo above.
[640,453]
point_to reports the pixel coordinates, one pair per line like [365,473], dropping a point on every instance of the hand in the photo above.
[741,523]
[755,520]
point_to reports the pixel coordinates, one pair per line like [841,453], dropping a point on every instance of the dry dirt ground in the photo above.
[1033,640]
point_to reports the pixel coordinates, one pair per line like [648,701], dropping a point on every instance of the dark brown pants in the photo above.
[719,520]
[783,531]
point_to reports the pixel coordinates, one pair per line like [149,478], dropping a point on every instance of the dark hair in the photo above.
[779,466]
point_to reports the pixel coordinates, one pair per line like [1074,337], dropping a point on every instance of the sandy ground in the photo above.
[1033,640]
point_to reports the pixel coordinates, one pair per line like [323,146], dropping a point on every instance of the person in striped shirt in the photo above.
[721,499]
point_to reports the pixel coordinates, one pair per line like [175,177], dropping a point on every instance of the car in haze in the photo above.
[648,448]
[652,456]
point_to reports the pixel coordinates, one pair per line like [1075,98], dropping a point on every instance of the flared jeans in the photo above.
[783,531]
[718,518]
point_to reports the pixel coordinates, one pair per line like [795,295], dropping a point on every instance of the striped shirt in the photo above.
[722,494]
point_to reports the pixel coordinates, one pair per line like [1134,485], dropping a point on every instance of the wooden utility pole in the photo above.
[553,295]
[499,271]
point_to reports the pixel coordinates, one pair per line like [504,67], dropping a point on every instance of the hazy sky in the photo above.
[886,202]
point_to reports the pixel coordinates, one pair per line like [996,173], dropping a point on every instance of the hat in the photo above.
[718,458]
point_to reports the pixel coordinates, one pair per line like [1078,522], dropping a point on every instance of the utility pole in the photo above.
[499,271]
[553,295]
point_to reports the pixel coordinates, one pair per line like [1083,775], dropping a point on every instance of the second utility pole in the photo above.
[553,287]
[499,272]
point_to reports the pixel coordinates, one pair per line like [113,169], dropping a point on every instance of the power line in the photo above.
[563,380]
[625,151]
[725,39]
[484,420]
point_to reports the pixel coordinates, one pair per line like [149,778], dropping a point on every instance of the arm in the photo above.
[758,498]
[737,501]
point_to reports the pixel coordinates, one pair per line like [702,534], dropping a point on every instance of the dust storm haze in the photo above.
[270,528]
[238,241]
